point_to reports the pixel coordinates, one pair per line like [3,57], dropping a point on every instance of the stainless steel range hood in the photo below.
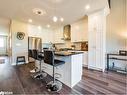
[67,32]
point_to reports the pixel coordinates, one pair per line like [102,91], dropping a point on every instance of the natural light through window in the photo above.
[1,42]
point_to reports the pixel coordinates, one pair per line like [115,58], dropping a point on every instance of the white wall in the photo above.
[116,32]
[116,29]
[20,47]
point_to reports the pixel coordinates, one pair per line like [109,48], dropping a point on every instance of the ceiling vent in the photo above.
[38,11]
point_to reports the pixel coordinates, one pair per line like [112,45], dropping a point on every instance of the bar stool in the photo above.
[30,56]
[54,85]
[34,56]
[40,74]
[30,53]
[38,57]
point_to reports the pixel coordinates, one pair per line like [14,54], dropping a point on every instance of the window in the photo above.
[1,42]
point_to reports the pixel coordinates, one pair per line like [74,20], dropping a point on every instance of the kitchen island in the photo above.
[71,71]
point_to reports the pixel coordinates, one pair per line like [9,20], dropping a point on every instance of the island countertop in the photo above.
[66,53]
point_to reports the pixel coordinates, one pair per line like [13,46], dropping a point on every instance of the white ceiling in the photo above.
[70,10]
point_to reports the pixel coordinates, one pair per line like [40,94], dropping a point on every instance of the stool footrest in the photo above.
[57,75]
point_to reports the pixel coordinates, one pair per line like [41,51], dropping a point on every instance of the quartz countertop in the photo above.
[67,53]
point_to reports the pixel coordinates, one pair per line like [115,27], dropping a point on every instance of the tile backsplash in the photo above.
[68,44]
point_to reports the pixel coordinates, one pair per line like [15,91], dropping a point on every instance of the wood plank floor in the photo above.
[18,80]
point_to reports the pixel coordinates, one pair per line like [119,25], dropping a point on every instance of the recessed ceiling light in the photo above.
[61,19]
[48,26]
[38,11]
[55,19]
[87,7]
[30,20]
[39,27]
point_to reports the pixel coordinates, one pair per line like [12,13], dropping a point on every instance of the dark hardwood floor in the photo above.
[17,79]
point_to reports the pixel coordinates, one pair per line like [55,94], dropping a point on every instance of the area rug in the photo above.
[2,61]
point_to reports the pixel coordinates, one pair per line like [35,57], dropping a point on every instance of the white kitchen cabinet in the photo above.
[97,40]
[45,34]
[58,35]
[85,59]
[79,31]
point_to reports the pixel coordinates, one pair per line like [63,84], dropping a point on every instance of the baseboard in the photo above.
[85,65]
[98,69]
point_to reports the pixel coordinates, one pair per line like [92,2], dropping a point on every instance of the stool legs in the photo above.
[54,85]
[40,74]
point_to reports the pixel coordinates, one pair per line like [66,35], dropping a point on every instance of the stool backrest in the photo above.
[30,53]
[40,55]
[35,54]
[49,57]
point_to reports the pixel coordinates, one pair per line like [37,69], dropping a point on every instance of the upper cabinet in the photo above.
[46,35]
[79,30]
[58,35]
[76,32]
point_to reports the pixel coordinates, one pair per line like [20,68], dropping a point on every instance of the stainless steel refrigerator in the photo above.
[34,43]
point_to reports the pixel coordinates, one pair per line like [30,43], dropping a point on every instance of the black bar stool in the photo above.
[29,53]
[30,56]
[54,85]
[38,57]
[40,74]
[34,53]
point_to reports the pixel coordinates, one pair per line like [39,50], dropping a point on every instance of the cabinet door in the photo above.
[79,31]
[92,50]
[74,35]
[96,50]
[97,42]
[85,59]
[58,35]
[99,50]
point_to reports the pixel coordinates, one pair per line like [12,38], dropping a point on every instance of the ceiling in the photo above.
[70,10]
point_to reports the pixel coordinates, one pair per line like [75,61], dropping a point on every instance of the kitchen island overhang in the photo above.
[71,71]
